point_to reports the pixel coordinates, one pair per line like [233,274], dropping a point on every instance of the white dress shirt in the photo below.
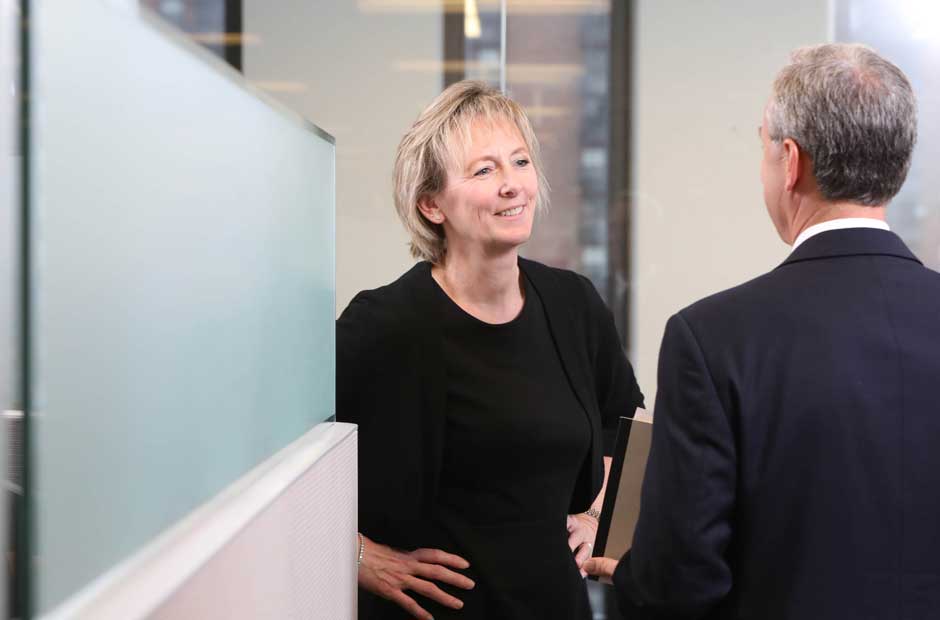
[845,222]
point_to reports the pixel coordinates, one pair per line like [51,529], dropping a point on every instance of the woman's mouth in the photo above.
[510,212]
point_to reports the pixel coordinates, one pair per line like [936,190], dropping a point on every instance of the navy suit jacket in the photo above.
[795,466]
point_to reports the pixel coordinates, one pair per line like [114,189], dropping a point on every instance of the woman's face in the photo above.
[488,205]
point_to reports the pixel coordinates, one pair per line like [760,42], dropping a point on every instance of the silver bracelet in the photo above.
[362,550]
[591,512]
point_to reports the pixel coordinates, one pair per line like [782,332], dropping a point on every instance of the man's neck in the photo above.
[811,213]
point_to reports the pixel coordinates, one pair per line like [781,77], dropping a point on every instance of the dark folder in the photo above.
[622,499]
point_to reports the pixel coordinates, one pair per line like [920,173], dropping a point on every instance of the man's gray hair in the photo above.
[853,113]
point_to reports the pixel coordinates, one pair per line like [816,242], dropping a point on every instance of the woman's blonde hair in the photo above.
[432,146]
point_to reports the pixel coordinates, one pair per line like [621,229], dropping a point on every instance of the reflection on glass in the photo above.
[482,47]
[214,24]
[908,33]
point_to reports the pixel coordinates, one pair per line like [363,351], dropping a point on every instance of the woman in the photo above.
[486,387]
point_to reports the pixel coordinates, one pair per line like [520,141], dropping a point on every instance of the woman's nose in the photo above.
[510,186]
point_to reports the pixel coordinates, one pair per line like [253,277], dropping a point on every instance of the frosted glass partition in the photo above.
[9,263]
[183,260]
[9,224]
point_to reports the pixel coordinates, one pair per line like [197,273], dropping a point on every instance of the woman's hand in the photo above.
[582,529]
[389,572]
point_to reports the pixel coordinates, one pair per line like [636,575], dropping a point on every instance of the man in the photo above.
[795,465]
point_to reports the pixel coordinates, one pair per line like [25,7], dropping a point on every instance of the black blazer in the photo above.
[795,465]
[390,381]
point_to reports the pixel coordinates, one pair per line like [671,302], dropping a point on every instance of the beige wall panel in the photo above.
[703,72]
[294,560]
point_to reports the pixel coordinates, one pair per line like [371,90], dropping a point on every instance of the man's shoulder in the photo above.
[762,289]
[747,312]
[821,288]
[932,278]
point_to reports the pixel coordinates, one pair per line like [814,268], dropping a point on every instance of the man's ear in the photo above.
[429,209]
[795,158]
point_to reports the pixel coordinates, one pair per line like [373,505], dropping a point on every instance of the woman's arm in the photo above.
[371,394]
[617,395]
[582,528]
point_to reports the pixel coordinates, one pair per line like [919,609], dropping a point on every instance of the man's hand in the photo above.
[601,567]
[389,572]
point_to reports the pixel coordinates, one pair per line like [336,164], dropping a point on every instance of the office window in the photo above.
[558,66]
[908,33]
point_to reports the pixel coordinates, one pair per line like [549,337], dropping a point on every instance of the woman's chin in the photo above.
[509,243]
[515,236]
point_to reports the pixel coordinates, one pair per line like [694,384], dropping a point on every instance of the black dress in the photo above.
[515,440]
[484,451]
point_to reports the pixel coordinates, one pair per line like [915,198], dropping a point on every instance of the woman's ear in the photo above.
[429,209]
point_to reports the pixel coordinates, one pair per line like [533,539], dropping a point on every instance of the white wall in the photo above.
[703,72]
[363,75]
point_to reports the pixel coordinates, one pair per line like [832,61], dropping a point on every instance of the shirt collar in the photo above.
[839,224]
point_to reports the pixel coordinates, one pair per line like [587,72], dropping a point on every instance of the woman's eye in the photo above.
[482,171]
[522,162]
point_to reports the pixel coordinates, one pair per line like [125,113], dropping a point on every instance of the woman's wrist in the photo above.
[593,513]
